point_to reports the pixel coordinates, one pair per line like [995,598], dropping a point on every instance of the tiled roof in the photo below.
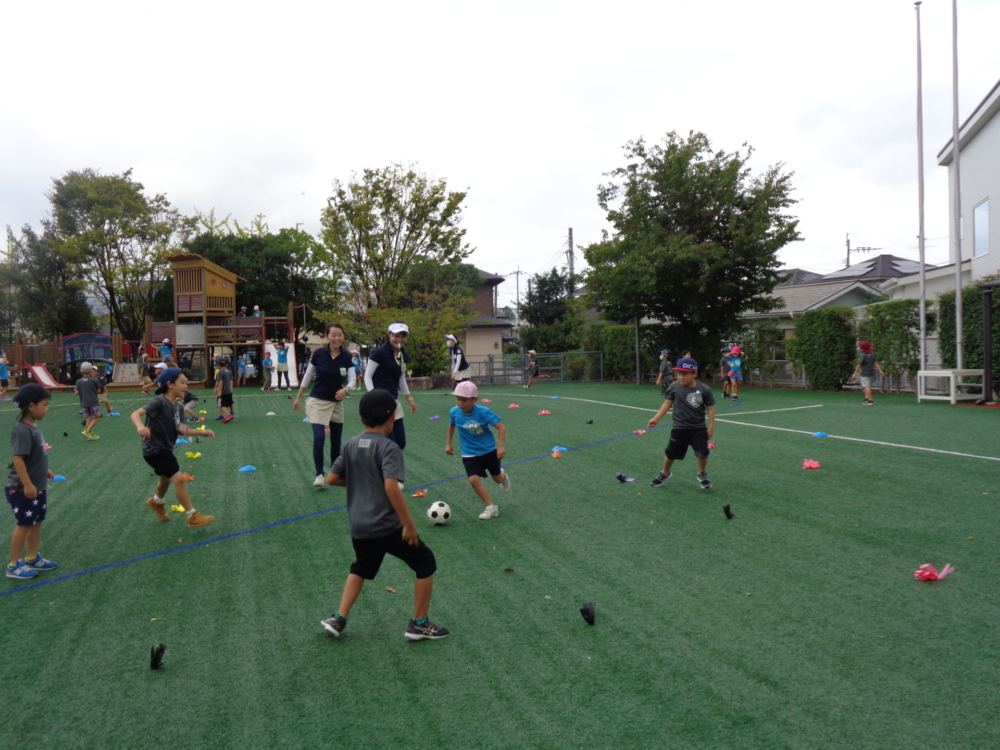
[879,267]
[795,299]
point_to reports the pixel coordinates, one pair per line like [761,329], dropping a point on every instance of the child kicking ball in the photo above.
[690,400]
[159,436]
[481,453]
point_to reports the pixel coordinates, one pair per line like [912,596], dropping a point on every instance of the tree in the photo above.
[119,238]
[376,227]
[758,341]
[429,281]
[824,345]
[551,314]
[695,237]
[46,288]
[893,330]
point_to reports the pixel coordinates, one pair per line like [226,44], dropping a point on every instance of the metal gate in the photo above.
[559,367]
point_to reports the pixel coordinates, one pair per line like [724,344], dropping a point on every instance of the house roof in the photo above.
[796,299]
[485,321]
[874,269]
[799,276]
[490,278]
[981,115]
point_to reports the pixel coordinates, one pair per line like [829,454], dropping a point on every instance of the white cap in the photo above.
[166,341]
[452,338]
[399,328]
[161,366]
[256,307]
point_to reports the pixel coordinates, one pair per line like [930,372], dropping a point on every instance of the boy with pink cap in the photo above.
[481,452]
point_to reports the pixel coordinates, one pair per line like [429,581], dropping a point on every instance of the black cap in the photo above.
[376,407]
[166,377]
[28,394]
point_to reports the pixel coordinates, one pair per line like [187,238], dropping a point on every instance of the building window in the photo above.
[981,229]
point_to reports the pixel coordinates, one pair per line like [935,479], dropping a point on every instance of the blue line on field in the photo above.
[235,534]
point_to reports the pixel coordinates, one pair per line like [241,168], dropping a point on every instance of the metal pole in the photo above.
[957,193]
[638,366]
[988,345]
[920,183]
[571,261]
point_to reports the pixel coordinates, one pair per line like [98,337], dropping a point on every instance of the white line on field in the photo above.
[862,440]
[771,411]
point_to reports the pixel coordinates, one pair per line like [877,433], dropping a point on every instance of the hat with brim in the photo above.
[166,377]
[28,394]
[449,337]
[399,328]
[161,366]
[686,364]
[466,389]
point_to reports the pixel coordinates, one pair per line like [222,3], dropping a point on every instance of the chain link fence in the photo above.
[559,367]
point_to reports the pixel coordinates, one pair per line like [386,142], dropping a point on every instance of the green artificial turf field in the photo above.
[797,624]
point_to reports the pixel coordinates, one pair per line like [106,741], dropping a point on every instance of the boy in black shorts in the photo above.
[691,400]
[224,391]
[159,436]
[370,465]
[481,453]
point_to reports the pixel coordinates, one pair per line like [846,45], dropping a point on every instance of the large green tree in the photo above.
[46,289]
[695,236]
[550,314]
[378,224]
[118,237]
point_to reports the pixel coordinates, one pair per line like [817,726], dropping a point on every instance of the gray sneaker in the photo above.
[427,631]
[704,482]
[505,484]
[334,625]
[660,479]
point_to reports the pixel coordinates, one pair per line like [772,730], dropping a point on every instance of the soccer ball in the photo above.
[439,513]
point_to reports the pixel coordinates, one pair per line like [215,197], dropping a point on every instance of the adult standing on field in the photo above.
[281,366]
[460,370]
[332,369]
[387,371]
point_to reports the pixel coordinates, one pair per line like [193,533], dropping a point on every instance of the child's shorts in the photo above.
[103,398]
[369,554]
[92,411]
[27,512]
[736,377]
[681,438]
[225,400]
[164,464]
[867,382]
[4,383]
[477,466]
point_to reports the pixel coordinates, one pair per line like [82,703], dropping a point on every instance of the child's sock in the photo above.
[189,513]
[421,621]
[11,566]
[157,499]
[340,615]
[31,559]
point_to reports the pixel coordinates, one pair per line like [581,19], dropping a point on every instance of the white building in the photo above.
[979,144]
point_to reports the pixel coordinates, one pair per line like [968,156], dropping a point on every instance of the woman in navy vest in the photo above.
[332,369]
[387,370]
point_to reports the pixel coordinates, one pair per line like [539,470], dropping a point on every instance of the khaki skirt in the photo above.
[321,411]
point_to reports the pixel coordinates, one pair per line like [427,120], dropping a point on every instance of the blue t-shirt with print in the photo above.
[266,364]
[736,364]
[474,434]
[283,356]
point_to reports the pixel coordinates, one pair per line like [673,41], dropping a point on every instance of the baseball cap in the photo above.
[166,341]
[399,328]
[165,377]
[466,389]
[865,346]
[161,366]
[28,394]
[665,352]
[735,350]
[86,367]
[376,407]
[686,364]
[726,350]
[451,337]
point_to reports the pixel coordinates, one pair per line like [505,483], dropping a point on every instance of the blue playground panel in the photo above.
[85,347]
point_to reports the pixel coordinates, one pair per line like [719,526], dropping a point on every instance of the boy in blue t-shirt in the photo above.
[480,451]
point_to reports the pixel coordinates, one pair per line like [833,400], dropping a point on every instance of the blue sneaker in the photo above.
[219,418]
[41,564]
[22,571]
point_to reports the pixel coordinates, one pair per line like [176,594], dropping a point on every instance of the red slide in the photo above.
[42,376]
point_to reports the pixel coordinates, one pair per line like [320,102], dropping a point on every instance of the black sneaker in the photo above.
[704,481]
[427,631]
[660,479]
[866,402]
[334,625]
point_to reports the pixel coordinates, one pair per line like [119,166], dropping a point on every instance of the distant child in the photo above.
[224,392]
[691,399]
[26,483]
[727,382]
[480,451]
[241,371]
[86,388]
[735,371]
[867,366]
[666,373]
[256,311]
[532,369]
[102,394]
[356,361]
[370,465]
[4,377]
[166,351]
[155,370]
[190,401]
[266,368]
[159,437]
[459,365]
[145,371]
[281,366]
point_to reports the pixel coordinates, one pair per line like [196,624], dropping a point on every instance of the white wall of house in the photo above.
[482,341]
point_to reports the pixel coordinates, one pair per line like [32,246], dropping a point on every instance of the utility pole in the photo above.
[857,250]
[957,192]
[569,254]
[517,310]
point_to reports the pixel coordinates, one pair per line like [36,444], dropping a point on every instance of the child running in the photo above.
[159,437]
[26,483]
[692,399]
[735,371]
[532,369]
[4,377]
[86,388]
[224,392]
[371,467]
[867,366]
[102,394]
[480,451]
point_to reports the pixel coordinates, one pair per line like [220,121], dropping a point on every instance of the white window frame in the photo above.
[976,235]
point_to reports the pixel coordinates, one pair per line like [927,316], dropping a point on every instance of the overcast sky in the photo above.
[252,108]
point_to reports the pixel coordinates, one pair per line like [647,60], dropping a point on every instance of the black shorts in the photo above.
[477,466]
[681,438]
[533,372]
[26,512]
[369,554]
[4,383]
[225,400]
[164,464]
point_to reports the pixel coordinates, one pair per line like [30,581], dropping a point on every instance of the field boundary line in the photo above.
[772,411]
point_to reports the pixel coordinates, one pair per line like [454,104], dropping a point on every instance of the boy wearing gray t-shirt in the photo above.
[370,465]
[87,389]
[691,401]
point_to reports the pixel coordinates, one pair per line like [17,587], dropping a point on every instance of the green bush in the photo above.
[824,345]
[972,329]
[758,341]
[893,328]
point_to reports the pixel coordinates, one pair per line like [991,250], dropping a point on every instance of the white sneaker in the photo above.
[525,387]
[490,511]
[320,481]
[505,484]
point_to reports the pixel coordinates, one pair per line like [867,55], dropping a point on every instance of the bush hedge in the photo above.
[824,345]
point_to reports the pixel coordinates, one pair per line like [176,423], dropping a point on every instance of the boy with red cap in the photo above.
[481,452]
[867,366]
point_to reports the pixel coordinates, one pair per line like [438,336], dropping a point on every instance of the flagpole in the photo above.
[920,183]
[957,193]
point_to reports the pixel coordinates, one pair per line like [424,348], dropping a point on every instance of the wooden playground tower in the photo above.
[205,314]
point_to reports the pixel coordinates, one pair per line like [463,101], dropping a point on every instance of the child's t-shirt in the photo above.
[266,363]
[690,404]
[282,356]
[867,362]
[162,418]
[666,365]
[241,364]
[735,364]
[27,442]
[166,353]
[4,375]
[474,434]
[225,377]
[366,461]
[87,388]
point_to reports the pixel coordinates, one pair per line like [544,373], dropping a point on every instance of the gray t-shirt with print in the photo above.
[225,377]
[88,387]
[867,362]
[162,418]
[27,442]
[366,461]
[690,404]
